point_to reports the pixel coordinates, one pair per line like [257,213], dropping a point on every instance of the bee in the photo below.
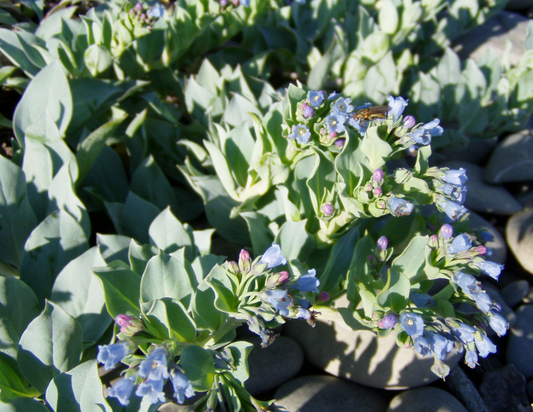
[372,112]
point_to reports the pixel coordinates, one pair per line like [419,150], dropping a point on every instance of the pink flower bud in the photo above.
[283,276]
[244,255]
[377,191]
[409,121]
[377,176]
[323,297]
[481,250]
[333,135]
[382,243]
[446,231]
[433,241]
[340,143]
[368,187]
[123,321]
[139,7]
[327,209]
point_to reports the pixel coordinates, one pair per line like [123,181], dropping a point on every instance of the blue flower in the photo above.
[316,98]
[110,355]
[152,389]
[455,211]
[335,123]
[388,321]
[358,125]
[455,177]
[307,111]
[461,243]
[182,385]
[332,95]
[421,345]
[273,257]
[422,300]
[498,323]
[156,11]
[455,193]
[485,236]
[485,346]
[301,133]
[483,301]
[303,314]
[307,282]
[397,106]
[279,299]
[439,345]
[464,332]
[471,358]
[154,367]
[400,207]
[491,269]
[122,390]
[412,323]
[342,107]
[245,2]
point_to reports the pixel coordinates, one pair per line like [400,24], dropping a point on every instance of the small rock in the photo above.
[475,151]
[328,394]
[515,5]
[520,342]
[426,399]
[514,292]
[498,246]
[482,197]
[526,197]
[519,234]
[464,390]
[360,356]
[504,390]
[512,160]
[273,365]
[494,34]
[506,311]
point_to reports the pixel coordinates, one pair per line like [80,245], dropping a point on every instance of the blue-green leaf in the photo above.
[121,288]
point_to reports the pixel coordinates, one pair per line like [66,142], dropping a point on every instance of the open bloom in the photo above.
[498,323]
[335,123]
[412,324]
[343,107]
[307,282]
[455,211]
[316,98]
[279,299]
[110,355]
[400,207]
[182,385]
[152,390]
[273,257]
[122,390]
[461,243]
[397,106]
[301,133]
[485,346]
[154,367]
[491,269]
[455,177]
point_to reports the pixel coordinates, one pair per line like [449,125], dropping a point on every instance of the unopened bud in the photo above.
[368,187]
[123,321]
[327,209]
[381,204]
[323,297]
[377,176]
[223,3]
[481,250]
[129,325]
[433,241]
[132,12]
[409,121]
[333,135]
[388,321]
[307,110]
[446,231]
[233,267]
[244,261]
[382,243]
[139,7]
[340,143]
[377,191]
[235,3]
[283,276]
[370,258]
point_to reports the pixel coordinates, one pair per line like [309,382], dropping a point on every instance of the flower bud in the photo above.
[143,16]
[409,121]
[377,176]
[323,297]
[340,143]
[382,243]
[233,267]
[123,321]
[235,3]
[307,110]
[327,209]
[223,3]
[333,135]
[368,187]
[446,231]
[132,12]
[283,276]
[381,204]
[370,258]
[481,250]
[244,261]
[128,324]
[377,191]
[139,7]
[388,321]
[433,241]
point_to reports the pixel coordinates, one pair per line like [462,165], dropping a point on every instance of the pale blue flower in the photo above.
[498,323]
[316,98]
[182,386]
[453,210]
[303,314]
[152,390]
[483,301]
[301,133]
[397,106]
[335,123]
[122,390]
[485,346]
[342,106]
[412,323]
[455,193]
[464,332]
[154,367]
[422,300]
[358,125]
[471,358]
[455,177]
[307,282]
[439,344]
[421,345]
[110,355]
[156,11]
[273,257]
[333,95]
[461,243]
[245,3]
[279,299]
[388,321]
[491,269]
[400,207]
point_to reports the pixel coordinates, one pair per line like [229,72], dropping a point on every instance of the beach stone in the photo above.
[475,151]
[515,5]
[360,356]
[511,160]
[494,34]
[497,246]
[519,235]
[515,292]
[520,341]
[426,399]
[321,393]
[482,197]
[526,198]
[273,365]
[504,390]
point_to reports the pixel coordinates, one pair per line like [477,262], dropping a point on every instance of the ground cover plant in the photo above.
[149,139]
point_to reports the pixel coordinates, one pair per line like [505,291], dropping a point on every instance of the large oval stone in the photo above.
[361,356]
[425,400]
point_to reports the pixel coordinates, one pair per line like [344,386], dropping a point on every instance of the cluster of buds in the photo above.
[145,15]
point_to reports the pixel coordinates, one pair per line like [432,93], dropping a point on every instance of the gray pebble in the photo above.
[426,399]
[515,292]
[511,160]
[520,342]
[519,234]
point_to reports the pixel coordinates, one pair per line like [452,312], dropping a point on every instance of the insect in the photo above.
[372,112]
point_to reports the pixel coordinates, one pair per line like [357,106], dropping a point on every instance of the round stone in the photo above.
[519,234]
[320,393]
[511,160]
[360,356]
[515,292]
[520,342]
[515,5]
[273,365]
[426,399]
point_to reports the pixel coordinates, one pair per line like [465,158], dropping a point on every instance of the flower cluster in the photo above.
[451,192]
[148,372]
[145,15]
